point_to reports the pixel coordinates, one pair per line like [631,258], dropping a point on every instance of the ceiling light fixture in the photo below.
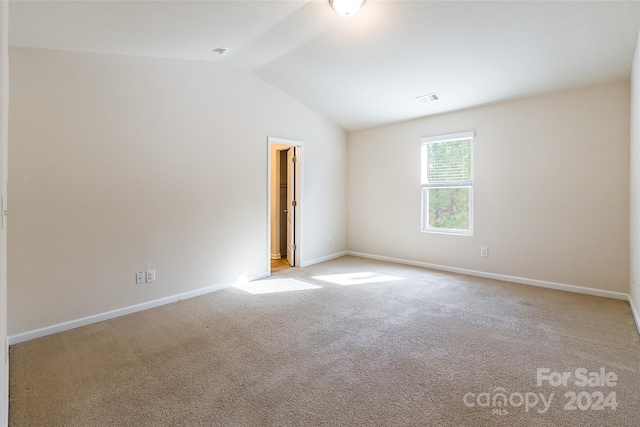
[429,97]
[346,7]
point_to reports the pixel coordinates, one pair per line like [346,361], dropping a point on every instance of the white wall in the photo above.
[634,224]
[551,189]
[121,164]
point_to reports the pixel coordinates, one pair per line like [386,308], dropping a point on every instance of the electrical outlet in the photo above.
[139,277]
[484,251]
[151,276]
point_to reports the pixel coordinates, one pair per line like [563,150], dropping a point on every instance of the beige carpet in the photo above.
[394,345]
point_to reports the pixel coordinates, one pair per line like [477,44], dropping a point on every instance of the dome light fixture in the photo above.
[346,8]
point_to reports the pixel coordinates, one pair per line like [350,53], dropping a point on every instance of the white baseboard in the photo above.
[323,259]
[276,256]
[72,324]
[636,315]
[513,279]
[65,326]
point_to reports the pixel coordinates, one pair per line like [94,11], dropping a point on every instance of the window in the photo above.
[447,183]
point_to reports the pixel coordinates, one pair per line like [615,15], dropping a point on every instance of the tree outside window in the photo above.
[447,183]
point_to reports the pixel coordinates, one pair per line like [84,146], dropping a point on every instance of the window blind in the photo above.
[448,163]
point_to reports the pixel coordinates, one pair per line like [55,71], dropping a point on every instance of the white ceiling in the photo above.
[366,70]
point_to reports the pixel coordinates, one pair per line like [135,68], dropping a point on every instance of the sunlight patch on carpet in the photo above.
[275,285]
[348,279]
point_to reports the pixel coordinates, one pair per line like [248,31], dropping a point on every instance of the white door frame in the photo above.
[4,138]
[299,197]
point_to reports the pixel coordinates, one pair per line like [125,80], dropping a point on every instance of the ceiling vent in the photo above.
[428,97]
[222,51]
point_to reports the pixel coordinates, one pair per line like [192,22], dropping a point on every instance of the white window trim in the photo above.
[448,138]
[424,193]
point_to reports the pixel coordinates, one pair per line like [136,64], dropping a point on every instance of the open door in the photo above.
[291,206]
[284,203]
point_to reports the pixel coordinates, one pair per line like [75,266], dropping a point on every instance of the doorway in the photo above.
[284,204]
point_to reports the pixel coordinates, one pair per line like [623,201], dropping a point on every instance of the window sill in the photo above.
[449,232]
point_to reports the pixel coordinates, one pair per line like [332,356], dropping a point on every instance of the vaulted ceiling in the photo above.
[366,70]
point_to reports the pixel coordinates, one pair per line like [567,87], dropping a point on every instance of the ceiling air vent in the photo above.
[428,97]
